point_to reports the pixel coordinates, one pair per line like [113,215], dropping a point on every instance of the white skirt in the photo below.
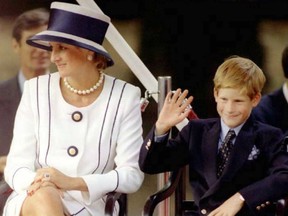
[72,207]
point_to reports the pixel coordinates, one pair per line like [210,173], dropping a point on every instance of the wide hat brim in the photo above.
[74,25]
[42,39]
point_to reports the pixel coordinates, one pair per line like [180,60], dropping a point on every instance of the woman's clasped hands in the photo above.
[47,177]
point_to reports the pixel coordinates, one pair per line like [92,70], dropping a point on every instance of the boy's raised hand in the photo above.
[175,109]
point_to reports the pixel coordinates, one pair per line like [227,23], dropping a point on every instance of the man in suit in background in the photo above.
[273,107]
[33,62]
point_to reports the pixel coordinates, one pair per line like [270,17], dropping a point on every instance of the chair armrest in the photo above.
[112,197]
[168,189]
[5,191]
[4,188]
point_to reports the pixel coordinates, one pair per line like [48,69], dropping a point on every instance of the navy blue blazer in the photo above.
[273,110]
[258,165]
[10,95]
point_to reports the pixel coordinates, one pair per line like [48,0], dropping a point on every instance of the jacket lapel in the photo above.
[240,153]
[209,152]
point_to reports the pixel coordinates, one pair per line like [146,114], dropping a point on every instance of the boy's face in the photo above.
[233,107]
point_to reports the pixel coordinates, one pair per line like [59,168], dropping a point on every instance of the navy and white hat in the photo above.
[75,25]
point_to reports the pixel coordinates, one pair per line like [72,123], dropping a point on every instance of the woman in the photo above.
[78,131]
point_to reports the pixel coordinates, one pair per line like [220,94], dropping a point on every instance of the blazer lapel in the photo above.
[209,152]
[240,152]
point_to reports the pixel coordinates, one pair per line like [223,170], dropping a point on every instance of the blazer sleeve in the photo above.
[274,186]
[165,155]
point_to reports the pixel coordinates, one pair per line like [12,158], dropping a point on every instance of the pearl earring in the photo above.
[90,57]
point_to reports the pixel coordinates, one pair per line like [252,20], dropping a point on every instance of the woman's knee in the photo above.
[45,199]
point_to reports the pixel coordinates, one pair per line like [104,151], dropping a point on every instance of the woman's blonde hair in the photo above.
[241,73]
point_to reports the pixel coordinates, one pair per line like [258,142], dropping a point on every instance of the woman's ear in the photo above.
[90,55]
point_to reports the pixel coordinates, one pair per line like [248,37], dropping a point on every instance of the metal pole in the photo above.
[164,86]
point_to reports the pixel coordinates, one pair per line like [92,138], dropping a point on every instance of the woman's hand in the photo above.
[52,177]
[36,185]
[174,110]
[230,207]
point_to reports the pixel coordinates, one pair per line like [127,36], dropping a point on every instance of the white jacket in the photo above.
[108,140]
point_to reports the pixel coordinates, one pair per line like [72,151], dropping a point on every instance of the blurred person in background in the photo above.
[273,107]
[33,62]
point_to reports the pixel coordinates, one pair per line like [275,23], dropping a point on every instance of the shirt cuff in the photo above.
[160,138]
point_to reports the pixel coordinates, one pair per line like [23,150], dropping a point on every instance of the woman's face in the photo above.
[68,59]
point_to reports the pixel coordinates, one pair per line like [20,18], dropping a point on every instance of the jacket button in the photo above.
[204,211]
[72,151]
[148,144]
[258,207]
[77,116]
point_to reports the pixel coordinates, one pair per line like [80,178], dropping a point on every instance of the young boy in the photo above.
[254,173]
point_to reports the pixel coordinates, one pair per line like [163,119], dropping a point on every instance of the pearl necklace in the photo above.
[87,91]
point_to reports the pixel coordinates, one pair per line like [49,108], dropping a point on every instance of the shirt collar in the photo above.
[21,80]
[225,129]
